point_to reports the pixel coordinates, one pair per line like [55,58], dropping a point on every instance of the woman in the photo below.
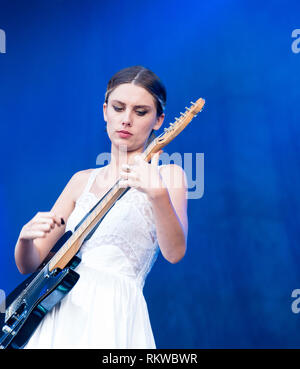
[106,308]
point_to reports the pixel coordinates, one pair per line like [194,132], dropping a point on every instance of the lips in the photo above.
[126,132]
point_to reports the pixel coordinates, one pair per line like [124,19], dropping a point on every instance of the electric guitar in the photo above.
[28,304]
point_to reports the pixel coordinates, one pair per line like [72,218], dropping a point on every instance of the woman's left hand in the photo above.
[143,176]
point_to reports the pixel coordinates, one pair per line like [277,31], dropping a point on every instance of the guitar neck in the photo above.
[73,244]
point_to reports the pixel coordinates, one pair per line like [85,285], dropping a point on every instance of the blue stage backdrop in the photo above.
[233,289]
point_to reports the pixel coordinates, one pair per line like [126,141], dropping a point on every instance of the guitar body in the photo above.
[29,308]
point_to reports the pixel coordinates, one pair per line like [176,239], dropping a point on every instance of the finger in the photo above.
[123,183]
[157,154]
[50,215]
[54,219]
[123,175]
[45,220]
[130,175]
[46,227]
[58,219]
[132,182]
[31,235]
[126,167]
[155,158]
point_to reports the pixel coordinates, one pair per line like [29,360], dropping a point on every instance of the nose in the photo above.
[126,123]
[127,119]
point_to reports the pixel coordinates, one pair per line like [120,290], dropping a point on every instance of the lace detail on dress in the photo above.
[129,225]
[85,201]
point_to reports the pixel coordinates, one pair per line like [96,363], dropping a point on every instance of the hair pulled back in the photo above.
[142,77]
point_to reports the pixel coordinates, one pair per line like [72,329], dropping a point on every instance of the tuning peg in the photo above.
[192,103]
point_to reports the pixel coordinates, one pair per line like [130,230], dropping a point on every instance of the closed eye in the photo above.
[141,113]
[138,112]
[117,108]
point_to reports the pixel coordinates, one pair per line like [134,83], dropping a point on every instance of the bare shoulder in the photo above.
[174,176]
[78,182]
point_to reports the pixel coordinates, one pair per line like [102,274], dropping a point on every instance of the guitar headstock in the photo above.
[197,106]
[180,123]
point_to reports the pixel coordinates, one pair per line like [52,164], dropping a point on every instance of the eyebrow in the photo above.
[136,106]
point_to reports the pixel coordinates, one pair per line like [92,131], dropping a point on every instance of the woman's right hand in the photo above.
[40,225]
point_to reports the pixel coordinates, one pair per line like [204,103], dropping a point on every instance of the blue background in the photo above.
[233,288]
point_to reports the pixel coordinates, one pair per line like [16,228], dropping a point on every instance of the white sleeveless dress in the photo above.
[106,308]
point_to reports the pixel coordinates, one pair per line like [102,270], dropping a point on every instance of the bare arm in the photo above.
[170,213]
[166,188]
[40,234]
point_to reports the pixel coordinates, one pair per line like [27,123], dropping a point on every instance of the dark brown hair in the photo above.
[143,77]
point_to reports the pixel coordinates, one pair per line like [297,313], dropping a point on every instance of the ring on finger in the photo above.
[126,167]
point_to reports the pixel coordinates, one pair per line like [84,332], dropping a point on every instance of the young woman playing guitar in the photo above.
[106,308]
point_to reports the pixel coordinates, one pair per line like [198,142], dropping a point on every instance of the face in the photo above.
[131,108]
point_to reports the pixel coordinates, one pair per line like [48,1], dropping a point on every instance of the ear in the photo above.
[104,112]
[159,122]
